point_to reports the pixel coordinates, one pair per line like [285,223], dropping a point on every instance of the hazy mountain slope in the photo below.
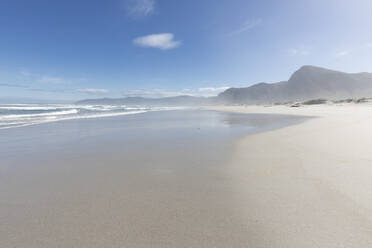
[308,82]
[166,101]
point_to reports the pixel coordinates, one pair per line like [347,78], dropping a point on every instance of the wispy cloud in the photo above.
[299,51]
[250,24]
[140,8]
[93,91]
[54,84]
[27,73]
[213,90]
[47,79]
[152,93]
[163,41]
[50,90]
[53,80]
[343,53]
[356,49]
[72,91]
[13,85]
[157,93]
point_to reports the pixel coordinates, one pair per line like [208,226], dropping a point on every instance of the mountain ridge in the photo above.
[306,83]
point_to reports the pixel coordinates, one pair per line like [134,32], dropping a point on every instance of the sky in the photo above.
[75,49]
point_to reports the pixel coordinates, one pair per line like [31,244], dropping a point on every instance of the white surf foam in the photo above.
[66,112]
[25,116]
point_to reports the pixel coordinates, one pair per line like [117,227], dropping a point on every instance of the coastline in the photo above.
[307,185]
[157,179]
[176,179]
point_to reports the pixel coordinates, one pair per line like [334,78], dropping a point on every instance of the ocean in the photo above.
[17,115]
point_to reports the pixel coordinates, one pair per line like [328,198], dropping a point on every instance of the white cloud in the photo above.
[50,90]
[53,80]
[93,91]
[299,51]
[152,93]
[13,85]
[163,41]
[361,48]
[343,53]
[40,78]
[213,90]
[140,8]
[250,24]
[27,74]
[158,93]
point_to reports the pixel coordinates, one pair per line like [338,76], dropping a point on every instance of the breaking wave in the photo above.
[17,115]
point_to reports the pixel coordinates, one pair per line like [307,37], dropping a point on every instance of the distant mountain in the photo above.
[309,82]
[166,101]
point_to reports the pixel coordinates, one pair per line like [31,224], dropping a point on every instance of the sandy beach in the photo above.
[307,185]
[239,177]
[185,124]
[157,179]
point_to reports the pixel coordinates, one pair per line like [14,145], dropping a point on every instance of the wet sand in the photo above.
[160,179]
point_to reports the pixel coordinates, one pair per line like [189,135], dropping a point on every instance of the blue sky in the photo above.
[74,49]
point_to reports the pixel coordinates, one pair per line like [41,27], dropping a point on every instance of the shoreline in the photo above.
[192,179]
[157,179]
[307,185]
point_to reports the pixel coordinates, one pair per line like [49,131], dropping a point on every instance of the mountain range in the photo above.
[309,82]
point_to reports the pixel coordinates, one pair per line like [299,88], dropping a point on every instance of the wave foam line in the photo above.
[25,116]
[75,117]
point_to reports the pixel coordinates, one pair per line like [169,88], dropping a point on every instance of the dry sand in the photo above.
[308,185]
